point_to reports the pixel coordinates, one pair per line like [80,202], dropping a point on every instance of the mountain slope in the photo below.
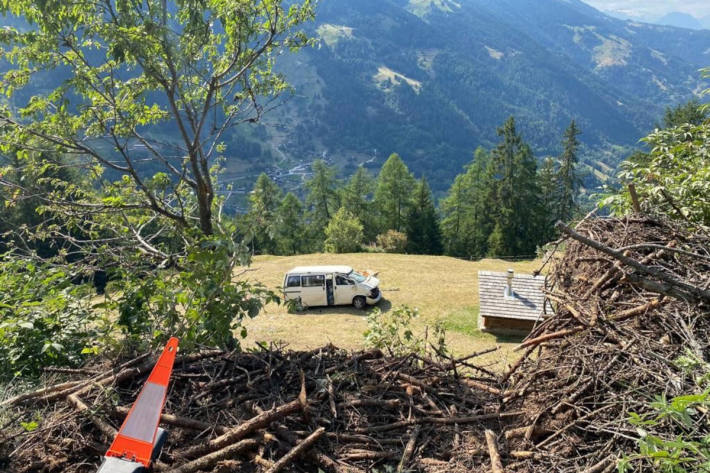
[431,79]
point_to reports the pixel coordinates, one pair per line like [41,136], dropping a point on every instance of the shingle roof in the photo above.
[527,304]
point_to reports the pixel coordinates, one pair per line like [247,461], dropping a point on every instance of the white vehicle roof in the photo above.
[320,269]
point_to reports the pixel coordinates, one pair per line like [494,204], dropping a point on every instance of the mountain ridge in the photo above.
[432,79]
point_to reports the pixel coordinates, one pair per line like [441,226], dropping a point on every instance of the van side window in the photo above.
[293,281]
[342,280]
[317,280]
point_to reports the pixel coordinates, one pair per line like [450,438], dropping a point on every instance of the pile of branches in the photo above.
[632,300]
[271,410]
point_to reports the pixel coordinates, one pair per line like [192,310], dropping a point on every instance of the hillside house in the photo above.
[509,302]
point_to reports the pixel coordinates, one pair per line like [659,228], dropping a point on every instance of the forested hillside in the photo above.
[431,80]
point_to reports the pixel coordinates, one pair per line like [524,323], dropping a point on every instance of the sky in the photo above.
[653,8]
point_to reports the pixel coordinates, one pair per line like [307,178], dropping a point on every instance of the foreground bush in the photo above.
[45,319]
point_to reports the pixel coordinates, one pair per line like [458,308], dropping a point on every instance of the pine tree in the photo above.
[290,234]
[547,178]
[264,202]
[393,194]
[322,199]
[423,230]
[567,179]
[497,245]
[512,190]
[454,208]
[692,112]
[466,210]
[355,198]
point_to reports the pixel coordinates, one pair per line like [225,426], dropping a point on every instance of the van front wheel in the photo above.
[359,302]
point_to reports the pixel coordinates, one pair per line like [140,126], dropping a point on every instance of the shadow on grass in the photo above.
[465,321]
[384,305]
[509,338]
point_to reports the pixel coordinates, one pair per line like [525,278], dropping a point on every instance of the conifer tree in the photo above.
[423,230]
[264,202]
[322,199]
[692,112]
[290,235]
[547,177]
[514,195]
[453,225]
[567,179]
[467,220]
[393,196]
[355,198]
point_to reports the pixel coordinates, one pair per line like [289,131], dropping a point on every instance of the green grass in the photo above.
[442,289]
[464,321]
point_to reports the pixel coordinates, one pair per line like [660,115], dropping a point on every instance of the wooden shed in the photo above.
[509,302]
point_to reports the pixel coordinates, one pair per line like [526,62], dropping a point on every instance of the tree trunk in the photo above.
[204,201]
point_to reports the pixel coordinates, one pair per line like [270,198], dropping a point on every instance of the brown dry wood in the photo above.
[599,467]
[548,336]
[382,403]
[496,463]
[105,379]
[59,369]
[517,364]
[642,309]
[691,290]
[570,307]
[409,449]
[182,422]
[437,420]
[101,424]
[296,451]
[206,462]
[524,455]
[328,464]
[483,387]
[40,392]
[653,286]
[367,455]
[255,423]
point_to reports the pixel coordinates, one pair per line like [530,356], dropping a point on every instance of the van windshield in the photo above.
[356,276]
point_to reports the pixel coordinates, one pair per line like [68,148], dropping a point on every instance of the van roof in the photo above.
[320,269]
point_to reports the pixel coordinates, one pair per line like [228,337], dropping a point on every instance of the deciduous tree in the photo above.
[126,70]
[343,233]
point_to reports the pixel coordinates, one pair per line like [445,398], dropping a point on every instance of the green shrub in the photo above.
[673,433]
[45,319]
[392,241]
[674,179]
[392,331]
[343,233]
[202,303]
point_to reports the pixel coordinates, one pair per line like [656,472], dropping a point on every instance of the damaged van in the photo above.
[312,286]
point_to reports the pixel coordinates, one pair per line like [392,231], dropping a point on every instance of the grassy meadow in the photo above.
[442,288]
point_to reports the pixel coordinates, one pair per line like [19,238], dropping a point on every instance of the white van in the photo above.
[312,286]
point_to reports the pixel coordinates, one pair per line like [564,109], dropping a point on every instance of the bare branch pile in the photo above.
[631,298]
[273,410]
